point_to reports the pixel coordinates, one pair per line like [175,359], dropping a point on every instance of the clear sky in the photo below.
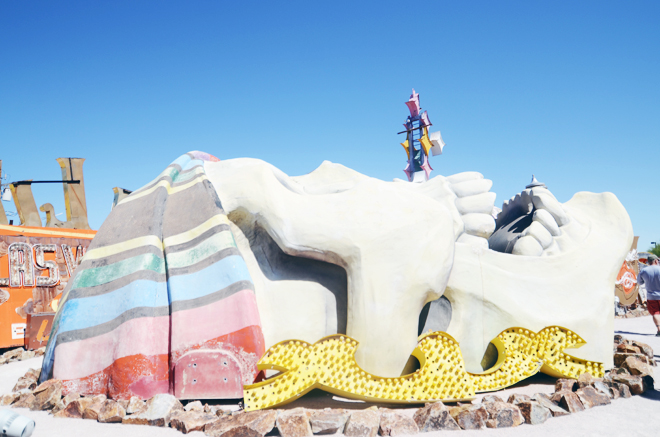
[569,91]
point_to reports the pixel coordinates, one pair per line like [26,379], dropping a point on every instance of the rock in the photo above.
[619,359]
[625,348]
[9,399]
[393,423]
[66,400]
[619,371]
[261,421]
[565,384]
[491,398]
[75,408]
[33,373]
[533,412]
[47,395]
[241,431]
[624,391]
[470,416]
[158,411]
[24,401]
[637,366]
[40,352]
[94,407]
[192,420]
[3,360]
[25,383]
[603,388]
[515,399]
[568,401]
[502,415]
[26,355]
[586,380]
[637,384]
[111,412]
[136,405]
[329,421]
[435,417]
[618,339]
[644,348]
[194,406]
[591,398]
[362,423]
[294,423]
[14,353]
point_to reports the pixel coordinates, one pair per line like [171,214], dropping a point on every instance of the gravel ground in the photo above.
[636,416]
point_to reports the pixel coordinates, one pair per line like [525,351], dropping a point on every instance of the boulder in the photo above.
[393,423]
[624,391]
[47,395]
[565,384]
[9,399]
[586,380]
[625,348]
[158,411]
[94,407]
[14,353]
[491,398]
[192,420]
[194,406]
[435,417]
[33,373]
[260,421]
[26,355]
[568,401]
[241,431]
[515,399]
[619,371]
[533,412]
[136,405]
[66,400]
[619,359]
[24,401]
[590,397]
[330,421]
[293,423]
[644,348]
[40,352]
[502,415]
[638,365]
[24,383]
[74,409]
[637,384]
[362,423]
[111,412]
[618,339]
[470,416]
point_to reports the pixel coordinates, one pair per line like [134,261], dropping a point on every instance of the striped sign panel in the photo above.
[161,284]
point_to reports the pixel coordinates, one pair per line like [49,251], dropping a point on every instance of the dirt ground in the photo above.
[636,416]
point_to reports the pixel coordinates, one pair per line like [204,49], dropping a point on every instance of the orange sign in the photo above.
[35,266]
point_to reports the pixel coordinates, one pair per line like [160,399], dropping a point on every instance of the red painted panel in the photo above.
[208,374]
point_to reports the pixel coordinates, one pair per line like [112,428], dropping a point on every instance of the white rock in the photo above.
[540,233]
[473,240]
[480,225]
[472,187]
[527,246]
[545,218]
[481,203]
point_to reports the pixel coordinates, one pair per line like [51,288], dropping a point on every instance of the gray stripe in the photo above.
[197,240]
[179,217]
[105,261]
[181,305]
[104,328]
[203,263]
[97,290]
[140,312]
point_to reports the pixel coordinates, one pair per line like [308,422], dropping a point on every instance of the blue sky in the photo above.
[569,91]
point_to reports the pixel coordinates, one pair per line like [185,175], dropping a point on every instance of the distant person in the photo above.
[650,276]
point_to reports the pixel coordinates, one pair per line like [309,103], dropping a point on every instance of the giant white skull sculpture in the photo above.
[336,251]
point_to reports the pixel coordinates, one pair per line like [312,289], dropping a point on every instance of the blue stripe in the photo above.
[86,312]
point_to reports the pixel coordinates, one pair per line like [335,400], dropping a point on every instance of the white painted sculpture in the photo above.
[337,251]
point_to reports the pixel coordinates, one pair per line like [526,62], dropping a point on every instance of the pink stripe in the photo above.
[195,326]
[78,359]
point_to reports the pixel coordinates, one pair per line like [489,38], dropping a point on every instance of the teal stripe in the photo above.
[102,275]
